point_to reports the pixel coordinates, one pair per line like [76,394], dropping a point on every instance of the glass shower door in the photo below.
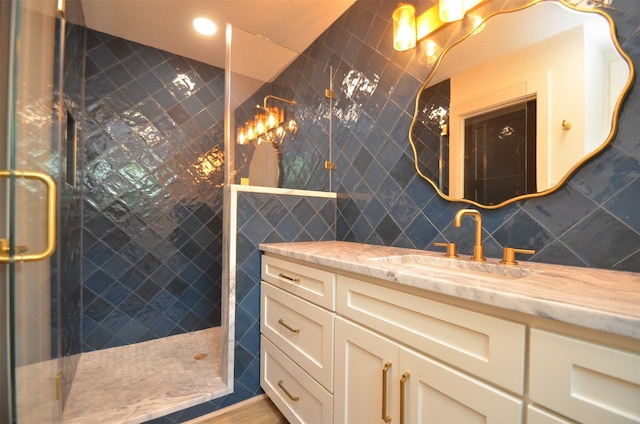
[28,197]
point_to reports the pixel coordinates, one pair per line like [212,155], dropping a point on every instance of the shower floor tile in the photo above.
[135,383]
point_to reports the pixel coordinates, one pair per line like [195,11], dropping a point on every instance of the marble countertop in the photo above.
[593,298]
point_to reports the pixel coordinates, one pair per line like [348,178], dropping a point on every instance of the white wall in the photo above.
[551,71]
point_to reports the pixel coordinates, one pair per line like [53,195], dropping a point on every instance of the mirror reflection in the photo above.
[514,108]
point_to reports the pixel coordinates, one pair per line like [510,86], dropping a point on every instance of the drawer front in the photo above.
[309,283]
[584,381]
[301,330]
[299,397]
[485,346]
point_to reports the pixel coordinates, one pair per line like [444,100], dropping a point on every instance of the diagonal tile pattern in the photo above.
[152,196]
[147,127]
[262,217]
[382,201]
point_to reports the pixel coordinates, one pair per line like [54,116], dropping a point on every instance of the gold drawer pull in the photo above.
[287,326]
[385,375]
[286,277]
[403,386]
[286,392]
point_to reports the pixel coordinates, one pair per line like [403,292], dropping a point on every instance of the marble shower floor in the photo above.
[135,383]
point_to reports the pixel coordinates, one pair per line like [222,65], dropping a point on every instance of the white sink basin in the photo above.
[458,265]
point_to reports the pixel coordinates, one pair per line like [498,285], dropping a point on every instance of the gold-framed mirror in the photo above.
[515,106]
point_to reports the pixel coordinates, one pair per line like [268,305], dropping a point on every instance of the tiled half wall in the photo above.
[260,215]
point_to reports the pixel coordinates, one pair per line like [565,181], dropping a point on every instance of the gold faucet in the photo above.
[478,250]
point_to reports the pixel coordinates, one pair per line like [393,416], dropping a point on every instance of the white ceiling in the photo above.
[268,34]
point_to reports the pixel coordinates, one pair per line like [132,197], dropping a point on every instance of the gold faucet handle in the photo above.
[452,249]
[509,255]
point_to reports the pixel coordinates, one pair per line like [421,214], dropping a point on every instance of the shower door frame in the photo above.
[28,130]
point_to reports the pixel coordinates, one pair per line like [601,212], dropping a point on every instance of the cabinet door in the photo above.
[536,415]
[435,393]
[488,347]
[360,359]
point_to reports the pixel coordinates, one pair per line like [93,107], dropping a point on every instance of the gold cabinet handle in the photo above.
[403,387]
[287,326]
[51,219]
[286,392]
[286,277]
[385,377]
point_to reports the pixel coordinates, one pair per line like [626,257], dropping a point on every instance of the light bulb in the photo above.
[404,27]
[242,137]
[205,26]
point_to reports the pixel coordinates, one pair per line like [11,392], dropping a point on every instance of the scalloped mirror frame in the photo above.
[467,30]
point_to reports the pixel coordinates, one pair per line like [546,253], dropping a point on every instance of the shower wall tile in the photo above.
[260,219]
[301,217]
[152,196]
[66,277]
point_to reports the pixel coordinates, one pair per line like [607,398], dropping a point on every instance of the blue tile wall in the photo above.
[382,201]
[303,153]
[152,256]
[266,218]
[592,221]
[66,276]
[380,198]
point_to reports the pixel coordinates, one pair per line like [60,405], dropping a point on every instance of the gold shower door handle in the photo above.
[19,255]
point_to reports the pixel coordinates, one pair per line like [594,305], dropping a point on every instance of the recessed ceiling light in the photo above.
[204,26]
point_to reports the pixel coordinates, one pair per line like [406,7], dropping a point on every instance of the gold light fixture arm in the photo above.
[51,221]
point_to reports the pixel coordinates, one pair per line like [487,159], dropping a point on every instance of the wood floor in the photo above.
[255,411]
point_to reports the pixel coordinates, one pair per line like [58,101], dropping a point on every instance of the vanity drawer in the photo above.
[482,345]
[299,397]
[301,330]
[309,283]
[584,381]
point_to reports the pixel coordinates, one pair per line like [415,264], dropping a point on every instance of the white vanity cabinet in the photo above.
[340,346]
[397,367]
[296,322]
[488,347]
[378,380]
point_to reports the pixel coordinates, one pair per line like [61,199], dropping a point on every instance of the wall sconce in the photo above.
[266,124]
[408,30]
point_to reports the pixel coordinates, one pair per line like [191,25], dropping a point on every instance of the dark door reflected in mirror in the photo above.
[510,114]
[499,155]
